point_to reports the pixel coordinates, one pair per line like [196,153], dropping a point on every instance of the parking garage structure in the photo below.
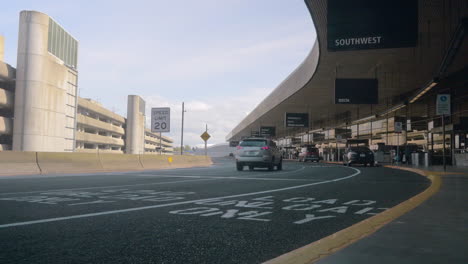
[421,54]
[98,129]
[40,110]
[7,88]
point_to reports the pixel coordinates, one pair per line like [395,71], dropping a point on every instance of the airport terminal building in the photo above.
[40,109]
[388,74]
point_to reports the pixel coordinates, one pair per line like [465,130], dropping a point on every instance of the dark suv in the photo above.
[358,155]
[309,153]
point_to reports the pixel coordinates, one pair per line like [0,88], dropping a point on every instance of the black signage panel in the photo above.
[233,144]
[267,131]
[371,24]
[255,133]
[356,91]
[318,137]
[297,120]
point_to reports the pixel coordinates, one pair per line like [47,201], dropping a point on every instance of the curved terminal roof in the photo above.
[310,88]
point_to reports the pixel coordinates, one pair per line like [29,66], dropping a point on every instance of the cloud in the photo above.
[231,59]
[221,114]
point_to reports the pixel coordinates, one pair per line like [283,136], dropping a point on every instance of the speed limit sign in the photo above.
[160,119]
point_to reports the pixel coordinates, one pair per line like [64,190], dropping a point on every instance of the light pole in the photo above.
[182,132]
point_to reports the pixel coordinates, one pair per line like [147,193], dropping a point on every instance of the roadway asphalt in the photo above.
[197,215]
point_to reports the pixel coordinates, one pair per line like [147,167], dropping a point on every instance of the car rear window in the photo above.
[253,143]
[360,149]
[312,149]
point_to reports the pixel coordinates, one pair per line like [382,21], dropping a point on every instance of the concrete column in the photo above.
[2,48]
[135,132]
[44,86]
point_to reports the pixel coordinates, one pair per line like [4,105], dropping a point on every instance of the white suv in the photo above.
[258,152]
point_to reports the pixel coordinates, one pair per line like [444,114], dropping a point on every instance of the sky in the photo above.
[220,57]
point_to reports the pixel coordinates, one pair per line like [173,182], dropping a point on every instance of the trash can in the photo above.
[415,159]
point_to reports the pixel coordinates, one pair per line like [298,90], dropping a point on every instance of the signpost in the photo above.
[267,131]
[362,25]
[160,122]
[205,136]
[296,120]
[255,133]
[356,91]
[443,109]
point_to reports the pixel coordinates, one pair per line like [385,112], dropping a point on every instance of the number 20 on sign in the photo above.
[160,119]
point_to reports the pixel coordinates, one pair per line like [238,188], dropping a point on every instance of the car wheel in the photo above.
[271,166]
[251,168]
[365,164]
[280,165]
[239,166]
[371,164]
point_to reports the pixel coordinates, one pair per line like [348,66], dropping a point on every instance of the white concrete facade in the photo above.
[135,138]
[2,48]
[46,89]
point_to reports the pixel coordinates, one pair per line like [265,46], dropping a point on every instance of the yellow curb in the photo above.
[326,246]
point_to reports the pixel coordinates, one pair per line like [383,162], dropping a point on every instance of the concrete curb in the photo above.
[330,244]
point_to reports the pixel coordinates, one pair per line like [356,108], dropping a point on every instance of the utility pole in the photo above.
[182,132]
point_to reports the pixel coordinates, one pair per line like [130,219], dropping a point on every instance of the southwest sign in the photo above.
[371,24]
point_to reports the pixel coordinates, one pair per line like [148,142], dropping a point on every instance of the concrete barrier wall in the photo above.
[120,162]
[56,162]
[21,163]
[16,163]
[155,162]
[190,161]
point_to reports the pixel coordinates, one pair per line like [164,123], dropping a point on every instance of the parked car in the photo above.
[358,155]
[258,152]
[309,153]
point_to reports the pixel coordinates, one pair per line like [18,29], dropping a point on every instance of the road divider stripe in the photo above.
[225,177]
[56,219]
[105,187]
[341,239]
[130,185]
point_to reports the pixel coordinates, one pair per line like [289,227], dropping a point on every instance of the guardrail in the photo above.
[27,163]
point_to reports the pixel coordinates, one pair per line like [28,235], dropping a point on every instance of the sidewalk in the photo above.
[434,232]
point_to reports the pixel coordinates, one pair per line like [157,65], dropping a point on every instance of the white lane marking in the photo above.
[172,204]
[140,184]
[105,187]
[221,177]
[262,174]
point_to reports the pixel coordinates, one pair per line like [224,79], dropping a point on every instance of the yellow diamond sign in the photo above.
[205,136]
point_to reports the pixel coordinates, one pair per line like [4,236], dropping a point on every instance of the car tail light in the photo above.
[239,147]
[266,147]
